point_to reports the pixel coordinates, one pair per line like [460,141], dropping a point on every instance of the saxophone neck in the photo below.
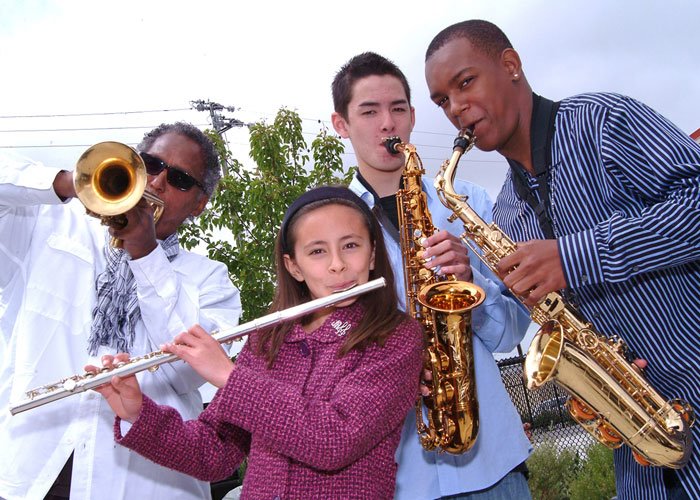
[444,181]
[413,166]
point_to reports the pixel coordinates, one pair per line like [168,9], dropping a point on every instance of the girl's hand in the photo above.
[123,395]
[203,353]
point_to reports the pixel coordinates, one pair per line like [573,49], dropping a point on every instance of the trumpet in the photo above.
[81,383]
[110,179]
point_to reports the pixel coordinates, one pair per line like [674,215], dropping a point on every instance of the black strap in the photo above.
[542,128]
[391,209]
[522,468]
[379,212]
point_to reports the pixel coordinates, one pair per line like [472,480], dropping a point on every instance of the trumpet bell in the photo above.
[110,178]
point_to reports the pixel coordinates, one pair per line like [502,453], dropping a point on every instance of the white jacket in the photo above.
[50,255]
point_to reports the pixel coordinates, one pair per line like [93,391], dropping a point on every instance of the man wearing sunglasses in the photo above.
[67,298]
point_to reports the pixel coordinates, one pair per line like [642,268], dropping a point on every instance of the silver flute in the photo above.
[81,383]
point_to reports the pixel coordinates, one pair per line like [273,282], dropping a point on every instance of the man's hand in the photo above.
[203,353]
[426,383]
[122,394]
[63,185]
[640,363]
[533,270]
[139,235]
[445,250]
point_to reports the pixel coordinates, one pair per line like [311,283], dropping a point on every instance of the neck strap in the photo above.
[542,127]
[378,210]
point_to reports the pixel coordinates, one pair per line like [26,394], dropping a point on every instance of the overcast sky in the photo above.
[95,57]
[110,62]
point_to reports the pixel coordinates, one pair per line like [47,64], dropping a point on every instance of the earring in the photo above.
[516,76]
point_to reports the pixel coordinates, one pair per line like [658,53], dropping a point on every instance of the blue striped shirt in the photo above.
[625,205]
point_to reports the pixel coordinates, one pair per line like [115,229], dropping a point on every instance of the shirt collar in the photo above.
[361,190]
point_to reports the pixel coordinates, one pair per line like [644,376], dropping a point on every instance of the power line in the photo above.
[103,113]
[55,146]
[29,146]
[89,129]
[219,122]
[329,124]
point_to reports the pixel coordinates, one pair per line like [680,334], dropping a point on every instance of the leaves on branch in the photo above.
[241,222]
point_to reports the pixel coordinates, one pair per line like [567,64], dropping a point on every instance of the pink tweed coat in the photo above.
[312,426]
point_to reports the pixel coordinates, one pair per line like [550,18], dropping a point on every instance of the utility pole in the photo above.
[220,123]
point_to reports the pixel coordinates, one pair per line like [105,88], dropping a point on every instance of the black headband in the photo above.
[320,194]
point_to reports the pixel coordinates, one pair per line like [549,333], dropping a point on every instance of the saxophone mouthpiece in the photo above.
[461,142]
[465,136]
[390,143]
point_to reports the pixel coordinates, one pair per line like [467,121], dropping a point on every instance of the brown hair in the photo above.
[359,67]
[381,312]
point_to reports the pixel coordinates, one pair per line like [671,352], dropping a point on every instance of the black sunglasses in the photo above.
[176,177]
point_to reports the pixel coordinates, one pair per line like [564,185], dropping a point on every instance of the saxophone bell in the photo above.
[587,366]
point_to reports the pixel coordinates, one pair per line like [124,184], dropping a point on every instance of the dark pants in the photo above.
[60,490]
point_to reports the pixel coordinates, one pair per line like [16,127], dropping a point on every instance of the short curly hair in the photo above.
[212,168]
[483,35]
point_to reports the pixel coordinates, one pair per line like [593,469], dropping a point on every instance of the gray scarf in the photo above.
[117,309]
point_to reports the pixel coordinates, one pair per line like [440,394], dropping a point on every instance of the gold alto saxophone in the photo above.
[610,398]
[443,307]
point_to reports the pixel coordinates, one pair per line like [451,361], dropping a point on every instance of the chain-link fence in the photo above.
[543,408]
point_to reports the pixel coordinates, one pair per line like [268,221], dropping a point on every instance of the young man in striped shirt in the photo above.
[617,190]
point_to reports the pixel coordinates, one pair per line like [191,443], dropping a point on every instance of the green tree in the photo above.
[240,226]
